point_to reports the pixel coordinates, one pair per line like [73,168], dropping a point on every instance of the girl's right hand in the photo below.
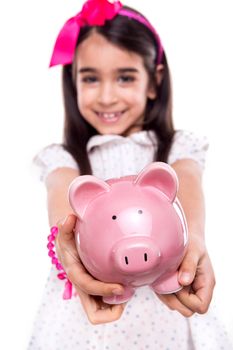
[89,290]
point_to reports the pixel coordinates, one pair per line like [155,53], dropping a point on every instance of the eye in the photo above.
[126,78]
[89,79]
[140,211]
[114,217]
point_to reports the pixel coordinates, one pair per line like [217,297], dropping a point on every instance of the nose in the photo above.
[136,255]
[107,94]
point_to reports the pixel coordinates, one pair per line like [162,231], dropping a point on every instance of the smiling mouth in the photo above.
[110,117]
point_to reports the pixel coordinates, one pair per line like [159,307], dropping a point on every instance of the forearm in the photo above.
[57,184]
[190,195]
[195,271]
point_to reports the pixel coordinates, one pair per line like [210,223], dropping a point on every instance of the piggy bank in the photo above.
[131,230]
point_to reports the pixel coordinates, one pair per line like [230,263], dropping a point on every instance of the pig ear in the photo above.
[82,190]
[161,176]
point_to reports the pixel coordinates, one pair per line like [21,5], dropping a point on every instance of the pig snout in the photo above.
[135,255]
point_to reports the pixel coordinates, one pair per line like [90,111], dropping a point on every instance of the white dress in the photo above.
[146,323]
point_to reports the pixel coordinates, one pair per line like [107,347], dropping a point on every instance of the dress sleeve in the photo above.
[50,158]
[187,144]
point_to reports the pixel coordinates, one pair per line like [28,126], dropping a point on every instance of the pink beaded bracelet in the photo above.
[52,254]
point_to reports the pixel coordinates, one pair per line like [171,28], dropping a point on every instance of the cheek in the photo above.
[136,96]
[140,90]
[84,97]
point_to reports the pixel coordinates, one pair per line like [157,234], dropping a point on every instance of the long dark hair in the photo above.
[133,36]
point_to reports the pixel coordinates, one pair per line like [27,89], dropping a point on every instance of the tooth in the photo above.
[109,115]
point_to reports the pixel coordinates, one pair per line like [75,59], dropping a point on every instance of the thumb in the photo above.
[65,243]
[66,226]
[188,268]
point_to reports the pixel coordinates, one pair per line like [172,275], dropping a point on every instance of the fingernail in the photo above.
[117,292]
[185,277]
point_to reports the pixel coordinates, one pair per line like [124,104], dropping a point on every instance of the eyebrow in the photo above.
[118,70]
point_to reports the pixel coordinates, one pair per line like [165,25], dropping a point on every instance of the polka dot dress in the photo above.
[146,323]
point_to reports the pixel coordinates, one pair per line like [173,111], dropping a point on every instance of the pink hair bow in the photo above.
[93,13]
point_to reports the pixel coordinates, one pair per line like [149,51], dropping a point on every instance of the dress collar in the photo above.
[143,137]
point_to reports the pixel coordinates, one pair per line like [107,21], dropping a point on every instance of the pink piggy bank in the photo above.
[131,230]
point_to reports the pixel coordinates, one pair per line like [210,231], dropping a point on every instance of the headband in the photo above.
[93,13]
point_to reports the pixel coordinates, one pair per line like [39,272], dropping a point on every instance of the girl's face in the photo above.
[112,86]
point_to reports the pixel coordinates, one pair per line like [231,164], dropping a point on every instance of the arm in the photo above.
[190,195]
[88,289]
[196,272]
[57,184]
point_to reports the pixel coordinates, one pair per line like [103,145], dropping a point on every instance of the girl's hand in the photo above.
[197,276]
[89,290]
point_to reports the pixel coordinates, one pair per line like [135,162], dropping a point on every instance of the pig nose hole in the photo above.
[127,261]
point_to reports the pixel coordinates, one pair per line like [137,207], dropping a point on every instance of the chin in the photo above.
[110,130]
[126,131]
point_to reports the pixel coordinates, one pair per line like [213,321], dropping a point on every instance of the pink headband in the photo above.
[93,13]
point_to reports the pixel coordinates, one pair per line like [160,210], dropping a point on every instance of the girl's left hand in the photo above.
[89,290]
[197,276]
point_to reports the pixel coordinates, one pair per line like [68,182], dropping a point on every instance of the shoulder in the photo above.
[190,138]
[52,157]
[190,145]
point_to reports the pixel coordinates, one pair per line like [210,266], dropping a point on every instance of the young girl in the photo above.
[118,119]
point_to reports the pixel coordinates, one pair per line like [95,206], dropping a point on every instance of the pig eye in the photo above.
[114,217]
[140,211]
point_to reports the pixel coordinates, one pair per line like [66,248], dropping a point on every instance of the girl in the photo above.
[118,119]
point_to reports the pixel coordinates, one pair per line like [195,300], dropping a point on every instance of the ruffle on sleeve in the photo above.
[50,158]
[189,145]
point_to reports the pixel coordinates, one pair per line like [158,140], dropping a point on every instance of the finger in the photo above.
[197,302]
[199,298]
[67,226]
[89,285]
[173,303]
[99,312]
[188,268]
[65,242]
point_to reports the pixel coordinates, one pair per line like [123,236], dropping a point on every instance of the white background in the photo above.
[197,36]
